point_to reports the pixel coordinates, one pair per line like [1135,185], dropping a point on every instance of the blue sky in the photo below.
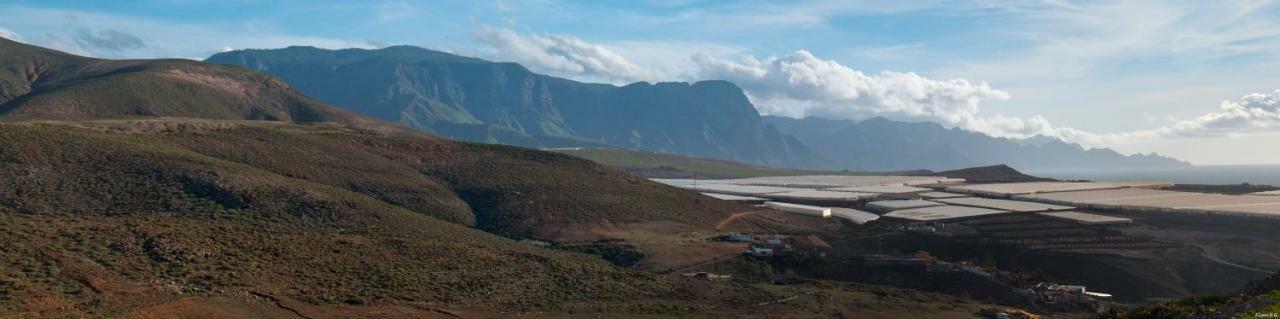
[1196,80]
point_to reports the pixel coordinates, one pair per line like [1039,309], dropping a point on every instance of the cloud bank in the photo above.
[1258,112]
[800,84]
[1251,114]
[561,54]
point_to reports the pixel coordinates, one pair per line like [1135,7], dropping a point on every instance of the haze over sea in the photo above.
[1205,174]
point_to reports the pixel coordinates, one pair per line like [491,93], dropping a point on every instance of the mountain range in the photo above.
[477,100]
[882,144]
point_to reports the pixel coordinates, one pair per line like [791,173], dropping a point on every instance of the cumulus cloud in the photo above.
[801,84]
[1252,114]
[561,54]
[8,34]
[1256,112]
[113,40]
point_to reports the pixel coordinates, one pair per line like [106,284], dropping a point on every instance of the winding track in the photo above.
[1211,253]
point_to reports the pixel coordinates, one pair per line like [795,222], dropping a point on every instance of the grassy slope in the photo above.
[91,198]
[42,84]
[104,217]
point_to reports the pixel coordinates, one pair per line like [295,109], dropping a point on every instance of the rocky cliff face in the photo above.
[483,101]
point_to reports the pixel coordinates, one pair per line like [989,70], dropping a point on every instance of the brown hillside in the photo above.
[989,174]
[326,215]
[42,84]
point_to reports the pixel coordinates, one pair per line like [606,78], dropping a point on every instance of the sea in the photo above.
[1200,174]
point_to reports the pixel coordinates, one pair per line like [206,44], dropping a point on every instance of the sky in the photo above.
[1196,80]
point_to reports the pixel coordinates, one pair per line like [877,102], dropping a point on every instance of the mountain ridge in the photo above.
[882,144]
[501,102]
[495,102]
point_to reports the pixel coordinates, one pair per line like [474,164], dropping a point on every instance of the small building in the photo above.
[800,209]
[707,276]
[760,252]
[1068,294]
[738,238]
[774,241]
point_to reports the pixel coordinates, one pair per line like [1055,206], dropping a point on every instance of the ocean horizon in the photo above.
[1199,174]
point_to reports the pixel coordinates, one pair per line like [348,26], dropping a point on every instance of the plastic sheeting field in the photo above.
[943,213]
[854,215]
[736,198]
[741,190]
[892,205]
[1086,218]
[833,181]
[816,195]
[1002,204]
[882,189]
[932,195]
[1166,201]
[1012,189]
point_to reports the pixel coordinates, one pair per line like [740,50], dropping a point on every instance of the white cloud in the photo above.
[1258,112]
[800,84]
[1254,114]
[7,34]
[561,54]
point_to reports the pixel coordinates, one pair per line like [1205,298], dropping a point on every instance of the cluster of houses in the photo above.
[776,245]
